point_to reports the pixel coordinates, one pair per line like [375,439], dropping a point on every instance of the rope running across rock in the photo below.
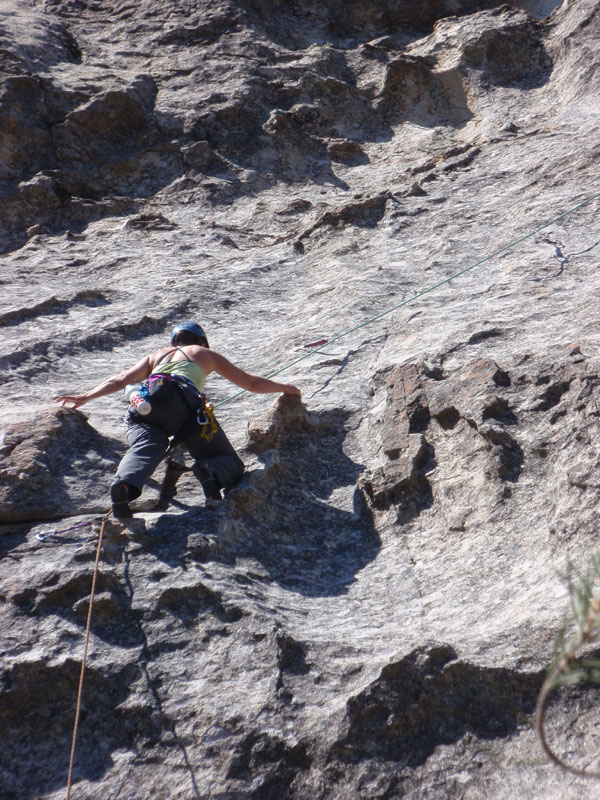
[84,659]
[419,294]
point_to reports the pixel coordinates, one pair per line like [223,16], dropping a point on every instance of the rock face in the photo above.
[395,202]
[53,466]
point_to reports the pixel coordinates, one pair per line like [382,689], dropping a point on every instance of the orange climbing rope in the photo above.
[84,660]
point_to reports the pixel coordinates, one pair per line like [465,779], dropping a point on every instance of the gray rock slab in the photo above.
[396,205]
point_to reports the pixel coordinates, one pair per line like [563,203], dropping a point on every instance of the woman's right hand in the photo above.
[76,400]
[289,388]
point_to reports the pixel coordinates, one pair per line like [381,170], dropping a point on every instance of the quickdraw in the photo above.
[42,536]
[197,405]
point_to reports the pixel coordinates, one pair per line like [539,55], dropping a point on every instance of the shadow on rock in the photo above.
[12,536]
[285,516]
[37,707]
[509,52]
[298,25]
[67,595]
[429,698]
[53,465]
[174,538]
[90,156]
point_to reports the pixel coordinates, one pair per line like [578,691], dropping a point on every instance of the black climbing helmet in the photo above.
[190,327]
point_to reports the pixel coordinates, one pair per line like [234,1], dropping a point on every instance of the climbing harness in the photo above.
[417,295]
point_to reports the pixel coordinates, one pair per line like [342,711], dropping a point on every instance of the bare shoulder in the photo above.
[157,355]
[201,356]
[213,357]
[219,363]
[161,352]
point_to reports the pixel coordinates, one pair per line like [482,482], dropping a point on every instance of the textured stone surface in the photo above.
[52,466]
[368,614]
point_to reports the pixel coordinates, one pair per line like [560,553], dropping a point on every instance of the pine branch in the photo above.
[566,669]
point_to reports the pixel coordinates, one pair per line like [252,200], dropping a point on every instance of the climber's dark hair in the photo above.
[185,337]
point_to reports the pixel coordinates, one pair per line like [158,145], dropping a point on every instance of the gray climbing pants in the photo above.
[148,443]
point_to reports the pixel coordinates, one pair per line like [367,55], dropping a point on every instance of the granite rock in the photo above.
[52,466]
[394,204]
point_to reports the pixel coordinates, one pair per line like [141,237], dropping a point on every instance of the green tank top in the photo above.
[189,370]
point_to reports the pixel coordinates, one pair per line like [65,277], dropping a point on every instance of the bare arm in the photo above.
[138,372]
[253,383]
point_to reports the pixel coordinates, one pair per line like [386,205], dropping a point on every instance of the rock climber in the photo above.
[216,464]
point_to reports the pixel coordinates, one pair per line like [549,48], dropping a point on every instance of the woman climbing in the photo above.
[170,373]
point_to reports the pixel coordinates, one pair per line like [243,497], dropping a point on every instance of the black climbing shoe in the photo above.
[120,499]
[209,484]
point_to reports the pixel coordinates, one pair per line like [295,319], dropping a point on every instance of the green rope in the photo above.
[418,294]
